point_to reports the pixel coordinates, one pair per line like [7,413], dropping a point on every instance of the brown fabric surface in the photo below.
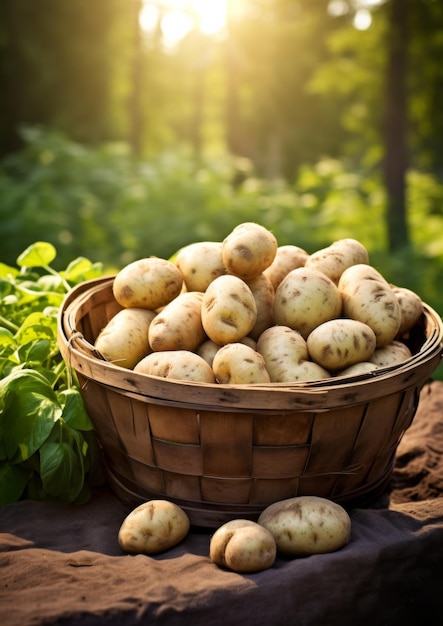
[62,564]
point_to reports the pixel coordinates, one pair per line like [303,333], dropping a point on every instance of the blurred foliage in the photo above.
[287,83]
[104,204]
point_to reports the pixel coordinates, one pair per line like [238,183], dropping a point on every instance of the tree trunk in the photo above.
[10,71]
[396,148]
[136,130]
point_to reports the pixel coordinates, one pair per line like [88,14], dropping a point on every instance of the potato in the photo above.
[368,298]
[411,308]
[153,527]
[147,283]
[263,293]
[363,367]
[229,311]
[307,525]
[248,250]
[287,258]
[249,341]
[238,364]
[207,350]
[243,546]
[339,343]
[303,372]
[178,326]
[391,354]
[125,338]
[337,257]
[177,365]
[305,299]
[200,263]
[286,356]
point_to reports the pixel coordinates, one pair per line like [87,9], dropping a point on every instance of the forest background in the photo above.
[130,128]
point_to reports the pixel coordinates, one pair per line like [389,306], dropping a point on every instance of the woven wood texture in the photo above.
[223,452]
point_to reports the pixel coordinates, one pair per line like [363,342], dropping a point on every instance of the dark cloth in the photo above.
[62,564]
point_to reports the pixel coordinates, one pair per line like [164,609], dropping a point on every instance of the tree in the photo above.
[56,61]
[395,164]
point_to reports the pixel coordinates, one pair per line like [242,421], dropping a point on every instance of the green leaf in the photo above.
[82,269]
[77,268]
[8,270]
[74,412]
[38,254]
[37,325]
[6,338]
[13,480]
[28,411]
[61,470]
[35,351]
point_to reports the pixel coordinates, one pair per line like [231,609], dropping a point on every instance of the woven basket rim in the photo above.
[81,355]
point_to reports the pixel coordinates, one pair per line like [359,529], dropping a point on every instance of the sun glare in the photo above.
[178,17]
[362,19]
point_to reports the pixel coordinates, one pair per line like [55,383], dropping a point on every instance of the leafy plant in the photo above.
[48,449]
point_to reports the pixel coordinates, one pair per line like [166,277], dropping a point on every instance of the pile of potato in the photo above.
[295,527]
[246,310]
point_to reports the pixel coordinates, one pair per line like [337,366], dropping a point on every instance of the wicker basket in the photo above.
[224,452]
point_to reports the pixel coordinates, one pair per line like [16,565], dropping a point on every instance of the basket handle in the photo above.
[78,341]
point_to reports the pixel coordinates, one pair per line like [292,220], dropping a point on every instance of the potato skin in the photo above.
[368,297]
[148,283]
[306,525]
[286,356]
[391,354]
[243,546]
[363,367]
[305,299]
[339,343]
[200,263]
[337,257]
[207,350]
[238,364]
[287,258]
[177,365]
[229,311]
[125,338]
[411,308]
[264,294]
[178,325]
[152,527]
[248,250]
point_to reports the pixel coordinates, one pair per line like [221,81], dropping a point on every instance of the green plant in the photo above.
[48,449]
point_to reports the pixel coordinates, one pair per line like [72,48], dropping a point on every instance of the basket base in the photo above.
[207,515]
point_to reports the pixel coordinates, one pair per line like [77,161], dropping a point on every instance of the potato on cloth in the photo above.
[307,525]
[243,546]
[153,527]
